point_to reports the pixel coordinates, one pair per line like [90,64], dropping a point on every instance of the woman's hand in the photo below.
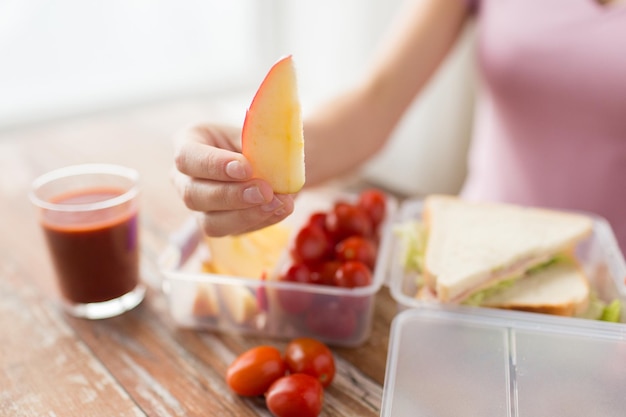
[214,179]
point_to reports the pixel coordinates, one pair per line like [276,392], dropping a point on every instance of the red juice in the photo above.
[95,252]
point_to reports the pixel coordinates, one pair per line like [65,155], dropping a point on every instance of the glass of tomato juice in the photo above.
[89,216]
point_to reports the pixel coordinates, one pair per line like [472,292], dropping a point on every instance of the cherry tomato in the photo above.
[252,372]
[358,303]
[295,395]
[353,274]
[324,272]
[318,218]
[356,248]
[312,357]
[374,202]
[332,320]
[312,244]
[295,301]
[346,220]
[296,272]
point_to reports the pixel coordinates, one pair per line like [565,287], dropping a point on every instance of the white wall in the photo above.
[332,41]
[427,152]
[63,57]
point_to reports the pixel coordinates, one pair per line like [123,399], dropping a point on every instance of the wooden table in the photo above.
[139,363]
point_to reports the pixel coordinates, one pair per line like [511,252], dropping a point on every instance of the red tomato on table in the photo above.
[295,395]
[253,372]
[312,357]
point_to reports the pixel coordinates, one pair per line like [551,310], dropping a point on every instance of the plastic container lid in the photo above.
[446,363]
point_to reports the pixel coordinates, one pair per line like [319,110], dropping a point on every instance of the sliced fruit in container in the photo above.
[205,304]
[248,255]
[251,255]
[240,302]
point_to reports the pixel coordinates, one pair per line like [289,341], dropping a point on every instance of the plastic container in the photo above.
[449,363]
[599,255]
[450,360]
[200,300]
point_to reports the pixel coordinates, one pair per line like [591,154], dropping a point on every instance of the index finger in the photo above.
[220,136]
[208,162]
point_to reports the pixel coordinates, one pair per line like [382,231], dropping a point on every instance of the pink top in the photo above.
[551,122]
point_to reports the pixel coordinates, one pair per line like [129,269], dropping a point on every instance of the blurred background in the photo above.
[71,58]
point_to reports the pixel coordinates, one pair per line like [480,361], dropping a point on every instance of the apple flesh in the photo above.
[205,304]
[249,255]
[240,302]
[272,136]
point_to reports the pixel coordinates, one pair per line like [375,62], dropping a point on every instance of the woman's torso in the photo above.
[551,122]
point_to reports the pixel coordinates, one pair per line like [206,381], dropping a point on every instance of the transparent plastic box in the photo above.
[444,363]
[451,360]
[599,255]
[201,300]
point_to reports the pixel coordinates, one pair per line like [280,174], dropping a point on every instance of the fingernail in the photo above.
[280,212]
[253,195]
[272,205]
[235,170]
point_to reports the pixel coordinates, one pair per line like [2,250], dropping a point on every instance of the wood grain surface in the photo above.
[140,363]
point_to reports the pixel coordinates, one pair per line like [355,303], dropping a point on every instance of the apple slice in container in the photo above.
[248,255]
[241,303]
[205,303]
[251,255]
[272,135]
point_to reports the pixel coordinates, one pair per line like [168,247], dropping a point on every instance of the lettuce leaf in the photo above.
[413,237]
[600,310]
[477,298]
[612,312]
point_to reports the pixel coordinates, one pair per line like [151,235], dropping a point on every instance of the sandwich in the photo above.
[499,255]
[560,288]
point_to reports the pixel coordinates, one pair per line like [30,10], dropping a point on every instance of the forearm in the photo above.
[350,129]
[340,136]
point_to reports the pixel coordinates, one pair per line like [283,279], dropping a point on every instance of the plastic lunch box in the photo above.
[448,363]
[599,255]
[337,316]
[453,361]
[251,306]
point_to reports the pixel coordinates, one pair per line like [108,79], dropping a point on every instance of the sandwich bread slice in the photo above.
[472,246]
[560,288]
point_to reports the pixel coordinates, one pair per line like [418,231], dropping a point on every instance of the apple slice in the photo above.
[249,255]
[240,302]
[205,304]
[272,137]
